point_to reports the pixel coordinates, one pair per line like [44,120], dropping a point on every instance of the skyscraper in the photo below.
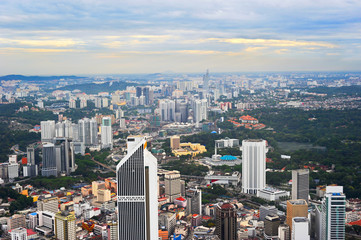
[296,208]
[106,133]
[253,165]
[206,81]
[194,201]
[30,154]
[333,214]
[65,226]
[167,109]
[64,156]
[300,184]
[137,192]
[88,132]
[49,160]
[226,221]
[199,110]
[47,130]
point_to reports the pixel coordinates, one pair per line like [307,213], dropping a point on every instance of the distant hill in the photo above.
[356,89]
[37,78]
[93,88]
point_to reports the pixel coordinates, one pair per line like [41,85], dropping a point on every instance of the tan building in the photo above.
[112,229]
[97,185]
[172,185]
[48,204]
[86,190]
[296,208]
[111,184]
[16,221]
[65,226]
[103,195]
[175,142]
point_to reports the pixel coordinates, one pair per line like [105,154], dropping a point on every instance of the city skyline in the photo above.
[91,37]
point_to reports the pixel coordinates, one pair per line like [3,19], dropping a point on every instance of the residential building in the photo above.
[47,130]
[16,221]
[48,204]
[106,133]
[65,226]
[19,234]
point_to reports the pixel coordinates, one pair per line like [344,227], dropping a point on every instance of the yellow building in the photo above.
[65,227]
[103,195]
[192,149]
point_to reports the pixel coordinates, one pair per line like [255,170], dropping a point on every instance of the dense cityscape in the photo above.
[225,156]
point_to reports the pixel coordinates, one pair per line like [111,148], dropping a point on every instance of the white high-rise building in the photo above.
[47,130]
[88,132]
[72,103]
[137,192]
[106,133]
[300,229]
[122,123]
[253,165]
[19,234]
[83,103]
[64,129]
[333,214]
[167,110]
[199,110]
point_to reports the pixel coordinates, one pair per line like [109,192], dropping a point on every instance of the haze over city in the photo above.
[109,37]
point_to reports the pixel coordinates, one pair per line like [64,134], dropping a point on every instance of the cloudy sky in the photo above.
[147,36]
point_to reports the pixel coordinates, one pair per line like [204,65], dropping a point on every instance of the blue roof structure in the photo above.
[228,158]
[213,132]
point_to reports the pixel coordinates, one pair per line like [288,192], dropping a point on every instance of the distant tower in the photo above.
[333,214]
[137,192]
[253,165]
[106,133]
[30,154]
[172,185]
[226,221]
[206,81]
[49,160]
[300,184]
[88,132]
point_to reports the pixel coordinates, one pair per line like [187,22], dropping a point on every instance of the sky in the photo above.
[45,37]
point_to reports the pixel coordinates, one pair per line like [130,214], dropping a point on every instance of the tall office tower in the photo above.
[206,81]
[137,192]
[83,103]
[49,161]
[4,171]
[64,156]
[175,142]
[183,109]
[49,204]
[19,234]
[167,110]
[30,170]
[300,229]
[30,154]
[72,103]
[65,226]
[194,201]
[253,165]
[271,224]
[13,170]
[300,184]
[199,110]
[88,132]
[98,102]
[119,113]
[296,208]
[122,124]
[226,221]
[333,214]
[172,185]
[47,130]
[106,133]
[284,232]
[112,230]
